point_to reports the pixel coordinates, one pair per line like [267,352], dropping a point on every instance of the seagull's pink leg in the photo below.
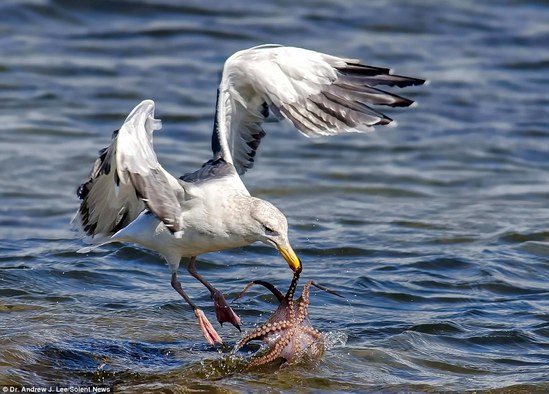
[223,311]
[207,329]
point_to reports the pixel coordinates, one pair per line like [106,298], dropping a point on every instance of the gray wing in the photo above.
[106,208]
[126,179]
[320,94]
[215,168]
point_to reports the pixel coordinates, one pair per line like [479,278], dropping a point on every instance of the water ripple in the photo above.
[434,232]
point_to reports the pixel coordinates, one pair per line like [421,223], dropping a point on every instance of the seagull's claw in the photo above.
[223,311]
[207,329]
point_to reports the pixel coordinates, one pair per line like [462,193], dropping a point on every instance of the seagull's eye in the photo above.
[269,231]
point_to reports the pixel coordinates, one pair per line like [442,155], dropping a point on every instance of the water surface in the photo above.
[435,232]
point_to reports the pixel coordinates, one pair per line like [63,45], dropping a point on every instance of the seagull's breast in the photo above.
[214,217]
[204,239]
[200,234]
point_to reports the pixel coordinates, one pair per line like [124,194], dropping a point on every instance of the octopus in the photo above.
[288,333]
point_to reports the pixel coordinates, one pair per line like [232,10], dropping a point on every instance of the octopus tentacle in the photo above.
[297,347]
[303,303]
[249,336]
[323,288]
[260,332]
[275,352]
[293,286]
[312,332]
[305,293]
[289,298]
[317,347]
[277,293]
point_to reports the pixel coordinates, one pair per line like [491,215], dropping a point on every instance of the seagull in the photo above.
[130,198]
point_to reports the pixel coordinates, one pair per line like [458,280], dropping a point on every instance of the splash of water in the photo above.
[334,339]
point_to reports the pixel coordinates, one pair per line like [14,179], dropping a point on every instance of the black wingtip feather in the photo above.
[364,69]
[372,76]
[216,145]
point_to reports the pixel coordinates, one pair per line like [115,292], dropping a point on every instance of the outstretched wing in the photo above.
[320,94]
[127,178]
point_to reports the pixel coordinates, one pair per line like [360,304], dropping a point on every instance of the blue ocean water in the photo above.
[436,232]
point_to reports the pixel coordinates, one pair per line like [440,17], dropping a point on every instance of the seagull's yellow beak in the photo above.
[291,258]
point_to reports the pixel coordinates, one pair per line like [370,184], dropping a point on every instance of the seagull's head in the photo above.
[271,227]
